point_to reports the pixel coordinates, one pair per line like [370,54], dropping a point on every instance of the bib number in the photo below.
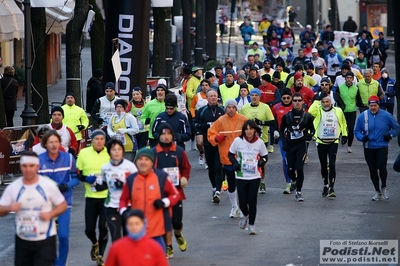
[249,166]
[28,225]
[121,137]
[173,173]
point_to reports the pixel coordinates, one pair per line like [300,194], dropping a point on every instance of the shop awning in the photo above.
[17,18]
[57,18]
[6,25]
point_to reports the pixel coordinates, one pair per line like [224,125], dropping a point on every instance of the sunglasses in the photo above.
[170,108]
[297,101]
[285,98]
[325,84]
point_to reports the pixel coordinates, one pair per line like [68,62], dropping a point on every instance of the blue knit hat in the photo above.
[255,91]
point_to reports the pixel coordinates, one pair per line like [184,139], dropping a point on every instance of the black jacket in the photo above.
[205,116]
[94,90]
[10,92]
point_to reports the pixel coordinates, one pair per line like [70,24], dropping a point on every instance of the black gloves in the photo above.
[100,120]
[158,204]
[147,121]
[335,65]
[309,137]
[80,127]
[259,122]
[262,161]
[387,137]
[72,151]
[344,140]
[63,187]
[319,96]
[236,167]
[365,139]
[118,183]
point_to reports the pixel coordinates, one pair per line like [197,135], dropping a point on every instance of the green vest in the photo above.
[229,93]
[137,113]
[367,90]
[348,96]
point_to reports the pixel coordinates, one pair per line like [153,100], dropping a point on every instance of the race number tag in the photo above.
[28,224]
[329,131]
[173,173]
[296,134]
[121,137]
[249,166]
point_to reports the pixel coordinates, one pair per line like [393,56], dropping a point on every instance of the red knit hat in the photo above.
[373,99]
[297,76]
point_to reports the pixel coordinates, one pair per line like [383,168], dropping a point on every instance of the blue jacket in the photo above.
[62,171]
[380,124]
[247,32]
[389,89]
[178,122]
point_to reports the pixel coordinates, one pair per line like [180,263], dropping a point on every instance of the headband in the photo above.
[27,159]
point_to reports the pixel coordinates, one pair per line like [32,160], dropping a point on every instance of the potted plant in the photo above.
[20,77]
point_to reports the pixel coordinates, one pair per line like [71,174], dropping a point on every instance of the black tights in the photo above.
[247,191]
[95,208]
[377,160]
[214,166]
[351,121]
[328,151]
[295,157]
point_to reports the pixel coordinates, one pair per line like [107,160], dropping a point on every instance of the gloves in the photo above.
[118,183]
[158,204]
[147,121]
[276,134]
[387,138]
[184,181]
[365,139]
[309,137]
[72,151]
[63,187]
[80,127]
[90,179]
[236,167]
[122,130]
[100,120]
[387,94]
[220,138]
[344,140]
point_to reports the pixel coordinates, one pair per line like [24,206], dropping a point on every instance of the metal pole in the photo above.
[28,114]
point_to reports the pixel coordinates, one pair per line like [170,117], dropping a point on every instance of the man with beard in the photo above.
[307,93]
[229,90]
[173,160]
[266,69]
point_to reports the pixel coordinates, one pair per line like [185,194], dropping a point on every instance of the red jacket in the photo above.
[182,162]
[73,142]
[308,95]
[144,191]
[279,110]
[267,93]
[127,252]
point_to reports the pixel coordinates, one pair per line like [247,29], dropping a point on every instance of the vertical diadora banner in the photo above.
[127,20]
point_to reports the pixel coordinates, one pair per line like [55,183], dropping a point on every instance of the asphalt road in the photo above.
[289,232]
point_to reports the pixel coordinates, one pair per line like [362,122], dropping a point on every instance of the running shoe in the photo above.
[385,193]
[252,230]
[216,198]
[182,244]
[293,186]
[287,189]
[299,196]
[201,159]
[94,253]
[100,260]
[234,212]
[170,252]
[271,149]
[325,191]
[262,189]
[243,222]
[349,150]
[377,196]
[331,193]
[306,159]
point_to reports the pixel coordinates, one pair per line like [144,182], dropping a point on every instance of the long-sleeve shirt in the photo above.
[74,116]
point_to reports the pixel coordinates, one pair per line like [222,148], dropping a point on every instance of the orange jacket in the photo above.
[231,127]
[145,190]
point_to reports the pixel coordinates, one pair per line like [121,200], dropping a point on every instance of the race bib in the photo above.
[140,125]
[329,131]
[173,173]
[107,117]
[28,225]
[249,166]
[296,134]
[121,137]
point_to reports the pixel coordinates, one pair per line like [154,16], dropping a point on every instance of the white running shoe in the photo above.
[385,193]
[234,212]
[201,159]
[252,230]
[349,150]
[243,222]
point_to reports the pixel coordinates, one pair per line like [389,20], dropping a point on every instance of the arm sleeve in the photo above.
[133,127]
[155,127]
[95,110]
[213,132]
[186,134]
[145,114]
[74,180]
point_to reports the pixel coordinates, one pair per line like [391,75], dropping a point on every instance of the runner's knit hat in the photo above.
[121,102]
[257,91]
[230,102]
[97,132]
[286,91]
[57,109]
[134,212]
[297,76]
[145,152]
[373,99]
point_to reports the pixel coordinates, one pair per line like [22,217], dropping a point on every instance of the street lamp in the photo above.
[28,114]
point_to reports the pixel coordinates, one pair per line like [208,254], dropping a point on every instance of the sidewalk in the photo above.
[57,91]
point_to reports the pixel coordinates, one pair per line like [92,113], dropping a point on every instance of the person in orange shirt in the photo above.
[222,133]
[199,100]
[376,68]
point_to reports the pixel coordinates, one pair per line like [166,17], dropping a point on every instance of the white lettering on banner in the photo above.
[125,39]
